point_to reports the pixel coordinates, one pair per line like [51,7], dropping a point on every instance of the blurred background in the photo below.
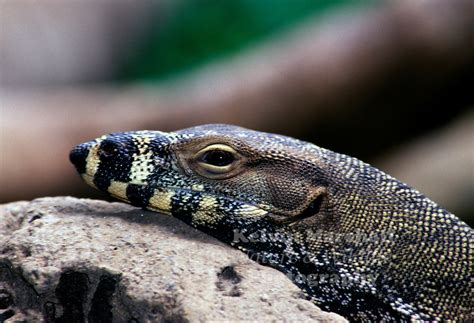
[389,82]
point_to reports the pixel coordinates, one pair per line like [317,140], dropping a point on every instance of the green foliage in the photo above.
[200,30]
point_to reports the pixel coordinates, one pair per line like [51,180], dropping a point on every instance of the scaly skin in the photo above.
[357,241]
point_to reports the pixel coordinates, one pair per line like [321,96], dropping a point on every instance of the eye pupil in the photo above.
[218,158]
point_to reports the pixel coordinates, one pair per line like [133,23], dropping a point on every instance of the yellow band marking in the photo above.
[250,211]
[93,162]
[89,180]
[206,213]
[142,141]
[142,167]
[161,201]
[118,190]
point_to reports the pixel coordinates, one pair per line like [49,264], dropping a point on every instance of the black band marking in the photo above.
[139,195]
[118,167]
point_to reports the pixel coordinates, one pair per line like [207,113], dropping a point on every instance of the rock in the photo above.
[70,260]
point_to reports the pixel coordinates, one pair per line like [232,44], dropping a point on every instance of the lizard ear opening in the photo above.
[313,208]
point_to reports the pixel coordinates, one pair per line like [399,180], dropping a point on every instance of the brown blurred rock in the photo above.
[69,259]
[353,83]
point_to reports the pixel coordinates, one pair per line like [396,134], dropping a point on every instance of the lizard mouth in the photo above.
[172,200]
[165,200]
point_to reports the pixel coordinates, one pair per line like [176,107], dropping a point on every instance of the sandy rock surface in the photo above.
[69,260]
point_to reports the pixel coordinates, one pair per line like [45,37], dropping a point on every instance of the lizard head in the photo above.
[207,172]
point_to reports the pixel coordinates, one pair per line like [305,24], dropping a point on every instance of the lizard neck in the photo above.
[327,277]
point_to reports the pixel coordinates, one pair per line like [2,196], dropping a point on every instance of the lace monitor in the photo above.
[357,241]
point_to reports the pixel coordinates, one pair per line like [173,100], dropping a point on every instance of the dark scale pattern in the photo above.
[139,195]
[355,240]
[184,204]
[116,163]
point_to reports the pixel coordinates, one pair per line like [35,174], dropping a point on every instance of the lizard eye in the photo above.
[219,158]
[217,161]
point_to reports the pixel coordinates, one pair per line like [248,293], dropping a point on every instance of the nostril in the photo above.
[108,149]
[78,156]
